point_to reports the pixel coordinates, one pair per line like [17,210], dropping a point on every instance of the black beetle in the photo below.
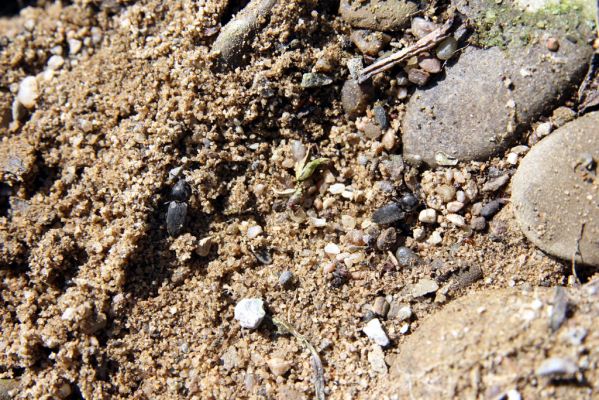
[177,209]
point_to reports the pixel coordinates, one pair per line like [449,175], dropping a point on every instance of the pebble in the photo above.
[543,129]
[418,76]
[418,234]
[368,42]
[496,183]
[337,188]
[512,158]
[332,249]
[464,115]
[430,65]
[380,306]
[254,231]
[387,239]
[454,206]
[28,92]
[428,216]
[404,313]
[389,140]
[250,313]
[446,49]
[204,246]
[421,27]
[424,287]
[446,192]
[478,223]
[380,116]
[556,366]
[374,330]
[406,257]
[553,192]
[354,66]
[435,238]
[55,62]
[456,220]
[74,45]
[286,278]
[378,15]
[388,214]
[491,208]
[370,129]
[376,358]
[355,97]
[311,79]
[552,44]
[278,366]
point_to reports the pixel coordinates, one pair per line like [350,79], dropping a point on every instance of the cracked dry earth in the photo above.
[98,301]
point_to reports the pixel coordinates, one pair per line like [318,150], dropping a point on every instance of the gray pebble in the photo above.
[387,239]
[424,287]
[380,116]
[496,183]
[355,97]
[406,257]
[311,79]
[478,223]
[492,208]
[418,76]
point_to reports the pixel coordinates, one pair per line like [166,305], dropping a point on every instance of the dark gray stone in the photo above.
[378,15]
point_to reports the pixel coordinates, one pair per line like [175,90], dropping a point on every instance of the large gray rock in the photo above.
[378,15]
[556,191]
[490,95]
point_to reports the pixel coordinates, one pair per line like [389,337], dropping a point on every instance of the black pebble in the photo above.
[388,214]
[181,191]
[175,217]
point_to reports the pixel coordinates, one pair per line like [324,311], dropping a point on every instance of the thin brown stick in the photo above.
[424,44]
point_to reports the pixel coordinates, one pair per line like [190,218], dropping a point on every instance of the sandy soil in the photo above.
[99,302]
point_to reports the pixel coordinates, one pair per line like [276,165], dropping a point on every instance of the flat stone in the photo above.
[424,287]
[376,358]
[250,313]
[488,97]
[374,330]
[378,15]
[555,191]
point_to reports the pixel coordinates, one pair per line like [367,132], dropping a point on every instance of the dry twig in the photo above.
[424,44]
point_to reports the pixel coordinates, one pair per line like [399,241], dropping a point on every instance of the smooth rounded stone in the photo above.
[285,278]
[430,64]
[28,92]
[374,330]
[555,191]
[406,257]
[368,42]
[446,192]
[473,114]
[446,49]
[388,214]
[428,216]
[250,313]
[278,366]
[355,97]
[492,208]
[378,15]
[420,27]
[556,366]
[478,223]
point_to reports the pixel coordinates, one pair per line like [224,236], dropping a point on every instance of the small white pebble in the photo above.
[28,92]
[55,62]
[348,222]
[512,158]
[374,330]
[456,219]
[460,196]
[513,394]
[337,188]
[332,249]
[318,222]
[74,46]
[404,329]
[428,216]
[250,313]
[454,206]
[435,238]
[543,129]
[254,231]
[419,234]
[347,194]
